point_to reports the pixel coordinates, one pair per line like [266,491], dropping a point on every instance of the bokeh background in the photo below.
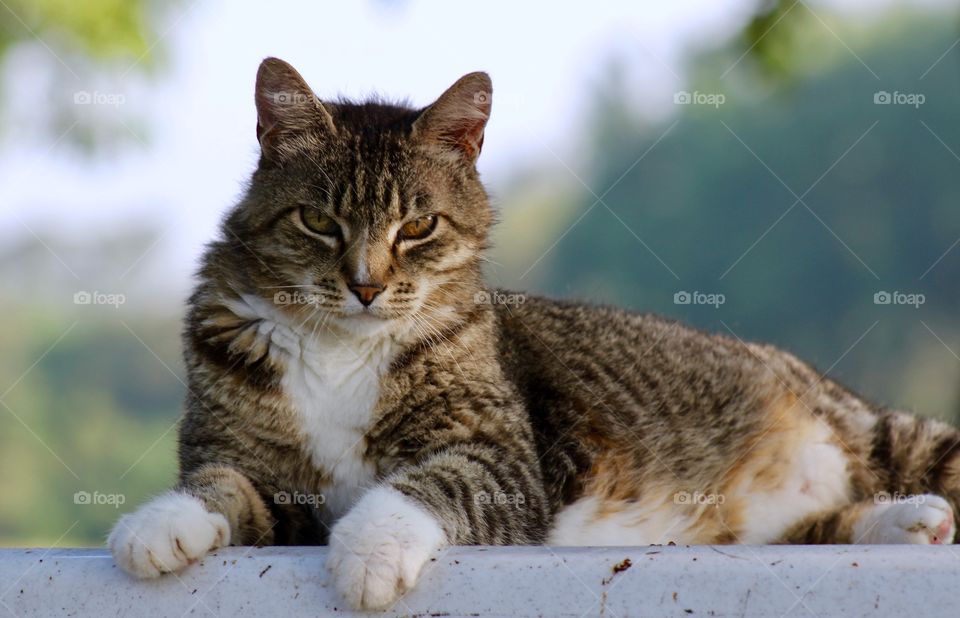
[786,167]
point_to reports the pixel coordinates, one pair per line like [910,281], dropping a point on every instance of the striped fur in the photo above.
[487,423]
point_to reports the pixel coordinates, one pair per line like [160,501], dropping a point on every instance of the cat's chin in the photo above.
[365,325]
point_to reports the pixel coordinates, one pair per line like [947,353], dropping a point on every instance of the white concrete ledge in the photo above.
[892,580]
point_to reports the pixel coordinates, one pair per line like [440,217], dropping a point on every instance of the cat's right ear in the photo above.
[286,106]
[456,121]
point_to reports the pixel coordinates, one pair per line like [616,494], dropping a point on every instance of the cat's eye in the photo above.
[418,228]
[317,222]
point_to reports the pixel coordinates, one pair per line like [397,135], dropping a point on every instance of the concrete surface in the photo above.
[911,581]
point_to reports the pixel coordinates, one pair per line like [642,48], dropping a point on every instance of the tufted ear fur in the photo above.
[286,106]
[455,122]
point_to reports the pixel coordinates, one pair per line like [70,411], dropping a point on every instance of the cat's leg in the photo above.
[379,547]
[212,507]
[923,519]
[908,472]
[465,494]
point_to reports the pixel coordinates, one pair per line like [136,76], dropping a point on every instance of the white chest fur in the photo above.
[332,382]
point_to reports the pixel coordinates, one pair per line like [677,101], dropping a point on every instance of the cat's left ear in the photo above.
[286,106]
[455,122]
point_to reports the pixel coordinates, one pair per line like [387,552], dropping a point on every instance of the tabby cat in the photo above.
[353,382]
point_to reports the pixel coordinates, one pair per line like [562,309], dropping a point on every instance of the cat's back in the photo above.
[600,347]
[601,380]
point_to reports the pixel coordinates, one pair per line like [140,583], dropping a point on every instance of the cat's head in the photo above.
[369,216]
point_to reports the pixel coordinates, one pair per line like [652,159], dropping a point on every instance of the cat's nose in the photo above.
[366,292]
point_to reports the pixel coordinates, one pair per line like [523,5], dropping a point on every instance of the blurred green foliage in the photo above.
[95,414]
[770,36]
[710,204]
[80,46]
[100,29]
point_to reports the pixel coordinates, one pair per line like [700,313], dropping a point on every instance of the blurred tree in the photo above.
[98,29]
[70,48]
[770,35]
[86,39]
[712,206]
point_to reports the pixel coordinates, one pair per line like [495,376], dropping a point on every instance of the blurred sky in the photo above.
[196,146]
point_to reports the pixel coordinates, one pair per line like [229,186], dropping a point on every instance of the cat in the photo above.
[352,381]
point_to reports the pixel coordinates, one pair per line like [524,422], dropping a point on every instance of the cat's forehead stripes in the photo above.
[371,194]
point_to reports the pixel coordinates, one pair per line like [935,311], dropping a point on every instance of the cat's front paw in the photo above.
[379,547]
[166,534]
[922,520]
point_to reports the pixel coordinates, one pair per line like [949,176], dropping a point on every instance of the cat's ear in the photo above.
[455,122]
[286,106]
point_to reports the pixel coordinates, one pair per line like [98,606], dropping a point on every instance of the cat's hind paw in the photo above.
[166,534]
[921,520]
[379,547]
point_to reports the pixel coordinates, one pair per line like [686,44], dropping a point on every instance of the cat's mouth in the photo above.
[372,313]
[366,315]
[366,323]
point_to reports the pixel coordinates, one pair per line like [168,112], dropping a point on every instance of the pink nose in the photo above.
[366,292]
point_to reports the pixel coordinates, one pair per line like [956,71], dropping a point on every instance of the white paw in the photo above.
[379,547]
[923,520]
[166,535]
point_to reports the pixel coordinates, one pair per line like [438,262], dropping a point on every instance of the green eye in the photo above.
[317,222]
[418,228]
